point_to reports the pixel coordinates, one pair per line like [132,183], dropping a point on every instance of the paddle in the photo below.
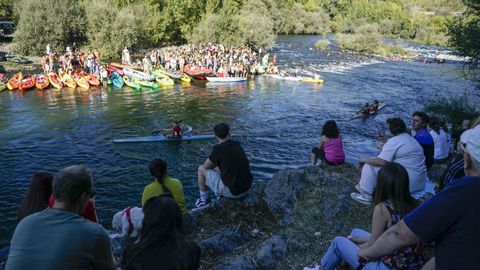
[157,132]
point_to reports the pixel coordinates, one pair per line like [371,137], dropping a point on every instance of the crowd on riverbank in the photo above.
[395,182]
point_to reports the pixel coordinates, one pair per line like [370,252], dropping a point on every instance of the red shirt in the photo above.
[177,131]
[89,212]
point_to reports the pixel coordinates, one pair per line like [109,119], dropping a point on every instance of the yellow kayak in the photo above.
[68,80]
[164,80]
[185,78]
[311,80]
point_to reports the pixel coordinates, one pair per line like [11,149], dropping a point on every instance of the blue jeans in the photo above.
[342,249]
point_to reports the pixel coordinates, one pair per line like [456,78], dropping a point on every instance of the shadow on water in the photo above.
[48,130]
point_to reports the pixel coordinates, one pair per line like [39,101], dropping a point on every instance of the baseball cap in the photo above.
[471,138]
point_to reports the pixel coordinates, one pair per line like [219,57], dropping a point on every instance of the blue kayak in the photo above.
[162,138]
[117,80]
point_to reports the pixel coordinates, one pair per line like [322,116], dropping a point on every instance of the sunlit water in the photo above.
[48,130]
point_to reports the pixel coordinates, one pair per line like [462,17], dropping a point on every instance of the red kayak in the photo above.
[111,69]
[197,73]
[92,80]
[27,83]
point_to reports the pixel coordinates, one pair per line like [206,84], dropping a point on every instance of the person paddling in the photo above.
[365,109]
[176,130]
[374,107]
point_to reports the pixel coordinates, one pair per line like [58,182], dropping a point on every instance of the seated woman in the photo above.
[40,196]
[392,202]
[162,244]
[402,148]
[164,184]
[330,148]
[440,140]
[37,195]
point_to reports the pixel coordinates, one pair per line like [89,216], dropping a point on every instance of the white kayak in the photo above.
[361,115]
[137,74]
[226,79]
[286,78]
[162,138]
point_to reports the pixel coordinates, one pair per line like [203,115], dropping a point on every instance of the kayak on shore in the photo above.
[41,82]
[137,74]
[14,82]
[131,82]
[116,79]
[68,80]
[27,83]
[55,80]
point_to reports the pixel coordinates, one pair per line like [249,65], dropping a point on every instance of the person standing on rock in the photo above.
[226,171]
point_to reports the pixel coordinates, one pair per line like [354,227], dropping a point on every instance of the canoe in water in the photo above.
[361,115]
[81,81]
[42,82]
[137,74]
[68,80]
[162,138]
[131,82]
[164,80]
[27,83]
[226,79]
[311,80]
[14,82]
[117,80]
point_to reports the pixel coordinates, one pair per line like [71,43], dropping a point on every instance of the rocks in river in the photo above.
[271,252]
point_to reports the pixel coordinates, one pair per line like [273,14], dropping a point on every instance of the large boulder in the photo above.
[282,190]
[243,263]
[272,251]
[224,242]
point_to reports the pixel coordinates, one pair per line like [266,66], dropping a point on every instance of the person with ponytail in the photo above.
[163,184]
[162,243]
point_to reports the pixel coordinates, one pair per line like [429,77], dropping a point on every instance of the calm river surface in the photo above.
[48,130]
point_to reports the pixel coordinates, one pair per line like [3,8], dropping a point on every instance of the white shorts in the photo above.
[215,183]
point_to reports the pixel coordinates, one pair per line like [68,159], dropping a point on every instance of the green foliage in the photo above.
[454,109]
[297,20]
[6,9]
[366,39]
[464,36]
[37,27]
[322,44]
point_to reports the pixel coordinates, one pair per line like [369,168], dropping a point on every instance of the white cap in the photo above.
[471,137]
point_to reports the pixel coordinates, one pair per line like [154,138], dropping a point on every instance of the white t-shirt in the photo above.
[441,144]
[406,151]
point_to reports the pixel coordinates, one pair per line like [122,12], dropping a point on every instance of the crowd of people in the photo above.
[57,222]
[221,60]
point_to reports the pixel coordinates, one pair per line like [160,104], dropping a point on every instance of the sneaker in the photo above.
[362,198]
[199,203]
[359,188]
[317,267]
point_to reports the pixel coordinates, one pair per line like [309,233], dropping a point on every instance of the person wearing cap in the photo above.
[450,219]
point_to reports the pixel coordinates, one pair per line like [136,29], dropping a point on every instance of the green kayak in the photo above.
[130,82]
[145,83]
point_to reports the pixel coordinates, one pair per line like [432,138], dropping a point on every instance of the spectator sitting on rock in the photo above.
[162,243]
[456,133]
[419,125]
[330,148]
[440,140]
[402,149]
[58,237]
[450,219]
[234,178]
[37,195]
[164,184]
[392,202]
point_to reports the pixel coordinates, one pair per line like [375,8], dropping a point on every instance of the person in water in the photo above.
[374,107]
[176,130]
[365,109]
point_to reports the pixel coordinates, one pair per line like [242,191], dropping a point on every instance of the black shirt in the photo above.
[234,166]
[451,219]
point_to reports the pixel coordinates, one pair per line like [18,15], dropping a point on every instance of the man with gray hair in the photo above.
[450,219]
[58,237]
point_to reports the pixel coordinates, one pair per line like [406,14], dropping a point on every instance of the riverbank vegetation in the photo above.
[109,25]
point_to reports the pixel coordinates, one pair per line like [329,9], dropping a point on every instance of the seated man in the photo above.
[58,237]
[234,178]
[450,219]
[423,137]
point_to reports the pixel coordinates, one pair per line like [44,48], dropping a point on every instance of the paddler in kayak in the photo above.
[365,109]
[374,106]
[176,130]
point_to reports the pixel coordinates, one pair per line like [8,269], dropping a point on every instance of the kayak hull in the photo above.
[27,83]
[54,81]
[362,116]
[162,138]
[131,83]
[42,82]
[68,80]
[117,80]
[81,81]
[14,82]
[137,74]
[226,79]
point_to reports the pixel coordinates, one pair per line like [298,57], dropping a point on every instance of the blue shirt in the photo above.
[424,138]
[451,219]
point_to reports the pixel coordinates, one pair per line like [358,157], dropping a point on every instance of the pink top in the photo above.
[333,149]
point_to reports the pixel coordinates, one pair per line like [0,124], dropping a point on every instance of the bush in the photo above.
[56,22]
[365,40]
[322,44]
[454,109]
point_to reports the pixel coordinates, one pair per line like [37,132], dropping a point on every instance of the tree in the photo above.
[55,22]
[464,35]
[6,9]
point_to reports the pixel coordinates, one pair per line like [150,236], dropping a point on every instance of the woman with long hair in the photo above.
[37,195]
[330,148]
[163,184]
[162,243]
[392,202]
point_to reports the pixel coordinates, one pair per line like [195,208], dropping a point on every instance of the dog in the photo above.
[128,222]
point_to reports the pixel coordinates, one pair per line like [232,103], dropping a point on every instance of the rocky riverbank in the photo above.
[285,223]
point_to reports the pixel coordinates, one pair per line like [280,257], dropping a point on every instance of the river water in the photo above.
[48,130]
